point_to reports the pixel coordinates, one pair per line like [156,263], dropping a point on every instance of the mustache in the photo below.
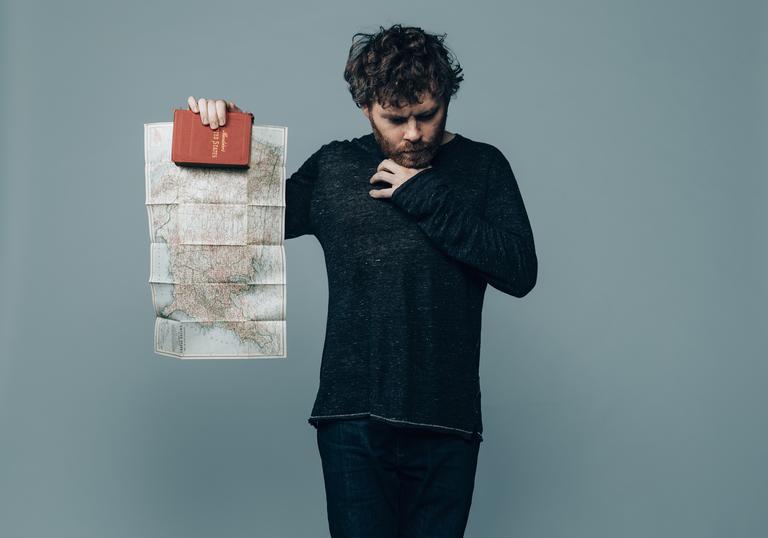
[420,148]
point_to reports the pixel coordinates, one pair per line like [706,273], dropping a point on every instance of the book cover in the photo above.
[195,144]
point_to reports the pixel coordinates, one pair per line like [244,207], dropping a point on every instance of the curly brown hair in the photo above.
[397,64]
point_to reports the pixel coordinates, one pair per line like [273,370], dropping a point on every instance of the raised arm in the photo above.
[298,196]
[498,244]
[298,187]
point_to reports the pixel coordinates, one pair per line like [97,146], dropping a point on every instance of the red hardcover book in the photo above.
[195,144]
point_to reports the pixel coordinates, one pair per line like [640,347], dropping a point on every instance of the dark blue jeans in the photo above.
[387,481]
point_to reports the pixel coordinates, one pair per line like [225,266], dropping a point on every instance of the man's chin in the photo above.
[413,160]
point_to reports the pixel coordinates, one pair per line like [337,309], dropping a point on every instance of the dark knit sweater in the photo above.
[407,277]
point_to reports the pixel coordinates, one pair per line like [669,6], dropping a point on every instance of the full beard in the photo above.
[419,156]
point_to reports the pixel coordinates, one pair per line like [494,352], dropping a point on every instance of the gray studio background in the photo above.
[623,397]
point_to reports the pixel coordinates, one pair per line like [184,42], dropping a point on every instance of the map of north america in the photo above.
[217,261]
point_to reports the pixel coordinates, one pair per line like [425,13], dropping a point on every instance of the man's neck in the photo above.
[447,137]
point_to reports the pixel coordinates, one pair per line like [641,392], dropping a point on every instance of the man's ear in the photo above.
[367,111]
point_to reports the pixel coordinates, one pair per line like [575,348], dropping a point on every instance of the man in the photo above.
[414,221]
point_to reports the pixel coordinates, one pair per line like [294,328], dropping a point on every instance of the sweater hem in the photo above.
[313,419]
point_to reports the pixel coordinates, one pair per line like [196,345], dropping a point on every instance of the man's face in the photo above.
[412,134]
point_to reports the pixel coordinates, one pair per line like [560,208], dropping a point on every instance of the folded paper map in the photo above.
[217,262]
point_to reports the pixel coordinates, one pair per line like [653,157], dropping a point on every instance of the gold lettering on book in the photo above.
[215,145]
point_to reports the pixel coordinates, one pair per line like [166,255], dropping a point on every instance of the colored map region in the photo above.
[217,261]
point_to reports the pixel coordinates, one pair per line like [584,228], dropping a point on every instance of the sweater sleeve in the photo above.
[298,197]
[496,243]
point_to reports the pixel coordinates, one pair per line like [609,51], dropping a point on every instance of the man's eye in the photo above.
[421,118]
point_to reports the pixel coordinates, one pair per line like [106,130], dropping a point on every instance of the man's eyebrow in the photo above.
[390,116]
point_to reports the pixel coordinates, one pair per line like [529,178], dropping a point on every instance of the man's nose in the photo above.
[412,130]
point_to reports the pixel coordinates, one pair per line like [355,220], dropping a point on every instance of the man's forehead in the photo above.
[428,102]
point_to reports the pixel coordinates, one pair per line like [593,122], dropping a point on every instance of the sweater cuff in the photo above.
[414,196]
